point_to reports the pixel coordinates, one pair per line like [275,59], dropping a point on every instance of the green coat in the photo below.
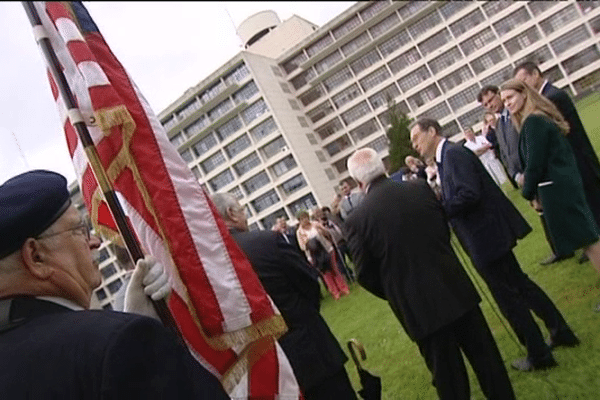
[551,173]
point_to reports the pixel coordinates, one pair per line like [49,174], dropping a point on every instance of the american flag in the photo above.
[226,318]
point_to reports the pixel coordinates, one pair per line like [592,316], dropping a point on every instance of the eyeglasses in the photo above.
[82,229]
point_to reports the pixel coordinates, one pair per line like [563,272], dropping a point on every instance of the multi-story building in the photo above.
[276,123]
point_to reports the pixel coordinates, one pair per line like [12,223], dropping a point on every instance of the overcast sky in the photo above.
[166,47]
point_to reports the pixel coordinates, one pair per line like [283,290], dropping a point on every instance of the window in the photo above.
[581,59]
[512,21]
[340,165]
[187,155]
[273,147]
[435,42]
[452,7]
[229,128]
[294,104]
[246,164]
[385,25]
[114,286]
[538,7]
[346,95]
[196,172]
[374,79]
[464,97]
[346,27]
[284,87]
[498,77]
[197,126]
[311,95]
[494,7]
[328,62]
[450,129]
[221,180]
[373,9]
[320,111]
[101,294]
[338,145]
[587,6]
[424,24]
[477,41]
[270,219]
[256,182]
[411,8]
[177,140]
[467,23]
[560,19]
[237,192]
[220,109]
[445,60]
[382,97]
[170,123]
[569,40]
[587,81]
[238,145]
[213,162]
[263,129]
[414,78]
[364,130]
[254,111]
[523,40]
[337,79]
[302,121]
[380,144]
[284,165]
[245,93]
[424,96]
[103,255]
[355,44]
[304,203]
[212,92]
[292,64]
[188,109]
[293,184]
[488,60]
[276,71]
[394,43]
[553,74]
[405,59]
[237,75]
[470,118]
[303,78]
[329,128]
[538,56]
[365,61]
[319,45]
[108,271]
[205,144]
[437,112]
[595,25]
[356,112]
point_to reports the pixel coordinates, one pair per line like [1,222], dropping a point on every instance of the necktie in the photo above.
[349,201]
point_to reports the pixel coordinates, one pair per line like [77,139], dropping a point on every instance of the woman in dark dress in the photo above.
[551,180]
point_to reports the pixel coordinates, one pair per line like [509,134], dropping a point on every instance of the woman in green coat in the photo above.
[551,180]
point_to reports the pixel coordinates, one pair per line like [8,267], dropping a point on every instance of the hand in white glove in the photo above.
[149,280]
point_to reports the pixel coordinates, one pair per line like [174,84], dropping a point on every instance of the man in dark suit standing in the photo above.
[585,156]
[314,353]
[52,346]
[508,146]
[349,201]
[422,279]
[488,226]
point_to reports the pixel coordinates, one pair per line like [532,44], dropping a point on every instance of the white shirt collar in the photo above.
[543,86]
[438,150]
[61,302]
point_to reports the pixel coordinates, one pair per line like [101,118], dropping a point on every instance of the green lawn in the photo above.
[574,288]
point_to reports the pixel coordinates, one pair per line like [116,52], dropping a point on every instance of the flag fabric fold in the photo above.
[226,318]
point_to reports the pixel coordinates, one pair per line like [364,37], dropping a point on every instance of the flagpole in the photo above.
[77,120]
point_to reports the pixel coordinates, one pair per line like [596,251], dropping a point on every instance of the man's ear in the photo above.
[34,256]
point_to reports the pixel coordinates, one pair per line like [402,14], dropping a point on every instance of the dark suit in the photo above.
[508,145]
[425,285]
[488,226]
[314,353]
[57,353]
[585,156]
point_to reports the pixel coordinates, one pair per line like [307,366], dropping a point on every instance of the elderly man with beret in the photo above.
[51,345]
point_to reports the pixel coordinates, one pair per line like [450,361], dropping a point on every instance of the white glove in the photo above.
[149,280]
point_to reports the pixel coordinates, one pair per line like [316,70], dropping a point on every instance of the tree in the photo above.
[398,134]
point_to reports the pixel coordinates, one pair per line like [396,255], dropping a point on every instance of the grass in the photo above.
[573,287]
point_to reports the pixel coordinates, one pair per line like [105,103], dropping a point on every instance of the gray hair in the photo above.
[365,165]
[224,202]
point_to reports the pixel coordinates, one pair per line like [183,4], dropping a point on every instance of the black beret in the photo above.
[29,204]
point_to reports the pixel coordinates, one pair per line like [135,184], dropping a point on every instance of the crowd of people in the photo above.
[532,137]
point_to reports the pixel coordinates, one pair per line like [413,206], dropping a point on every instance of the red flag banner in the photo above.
[226,318]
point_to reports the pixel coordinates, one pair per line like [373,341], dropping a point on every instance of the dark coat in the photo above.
[551,173]
[508,145]
[585,156]
[400,242]
[292,284]
[58,353]
[486,222]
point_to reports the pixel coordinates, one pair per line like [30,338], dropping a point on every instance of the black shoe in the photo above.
[583,259]
[526,365]
[563,341]
[554,258]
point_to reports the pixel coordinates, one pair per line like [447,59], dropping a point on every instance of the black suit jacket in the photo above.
[57,353]
[585,156]
[400,242]
[486,222]
[508,146]
[292,284]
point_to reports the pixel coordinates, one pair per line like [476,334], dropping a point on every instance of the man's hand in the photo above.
[149,281]
[537,206]
[520,179]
